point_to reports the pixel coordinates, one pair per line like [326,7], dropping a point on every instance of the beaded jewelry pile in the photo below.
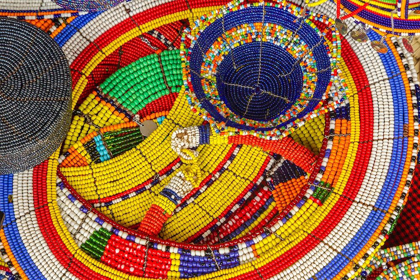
[245,140]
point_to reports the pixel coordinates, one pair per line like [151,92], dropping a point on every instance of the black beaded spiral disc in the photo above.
[35,96]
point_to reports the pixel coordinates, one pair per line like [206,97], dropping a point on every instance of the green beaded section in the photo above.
[118,142]
[145,80]
[322,193]
[123,140]
[390,2]
[394,224]
[95,245]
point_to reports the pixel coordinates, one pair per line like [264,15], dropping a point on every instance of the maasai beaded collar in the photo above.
[245,75]
[35,95]
[145,88]
[59,256]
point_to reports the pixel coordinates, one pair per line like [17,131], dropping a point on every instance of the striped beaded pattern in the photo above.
[377,14]
[146,87]
[35,10]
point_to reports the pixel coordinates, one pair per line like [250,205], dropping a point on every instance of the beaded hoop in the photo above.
[35,95]
[231,80]
[330,229]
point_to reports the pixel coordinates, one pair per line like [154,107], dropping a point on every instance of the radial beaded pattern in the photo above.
[317,204]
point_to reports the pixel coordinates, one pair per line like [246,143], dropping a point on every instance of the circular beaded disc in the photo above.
[35,96]
[329,228]
[246,76]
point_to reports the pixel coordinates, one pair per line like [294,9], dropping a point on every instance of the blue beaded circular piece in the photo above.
[266,94]
[260,70]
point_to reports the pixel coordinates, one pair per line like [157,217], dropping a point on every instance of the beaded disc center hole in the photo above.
[254,82]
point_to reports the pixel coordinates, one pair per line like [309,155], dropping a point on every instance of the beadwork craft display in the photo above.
[245,140]
[35,95]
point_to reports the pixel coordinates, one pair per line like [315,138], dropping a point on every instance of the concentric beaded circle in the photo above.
[35,96]
[246,76]
[335,207]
